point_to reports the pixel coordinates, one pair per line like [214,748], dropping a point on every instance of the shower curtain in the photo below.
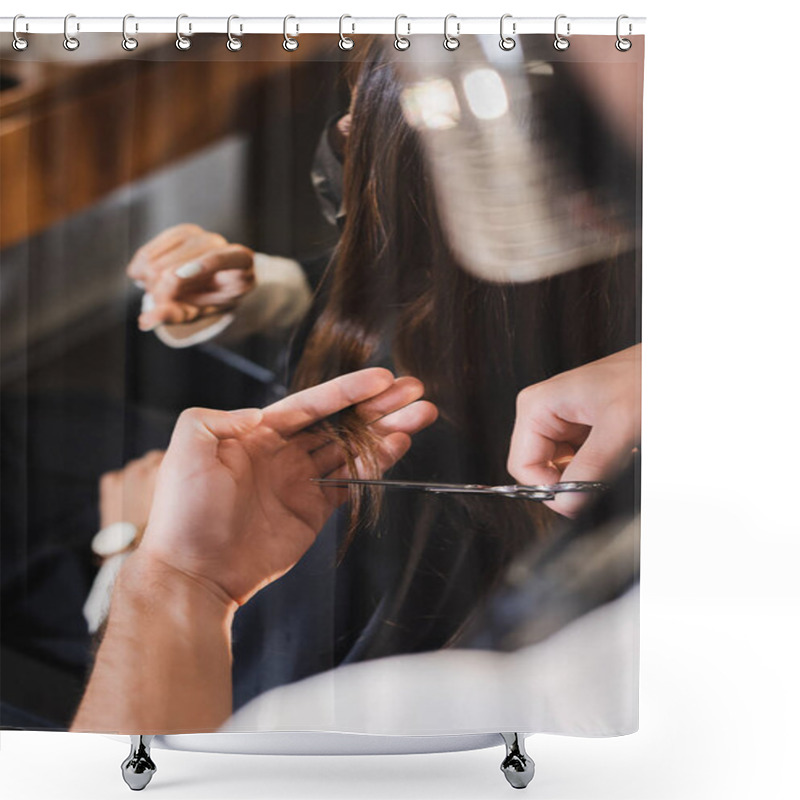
[222,228]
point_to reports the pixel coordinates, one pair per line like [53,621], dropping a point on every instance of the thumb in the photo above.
[599,458]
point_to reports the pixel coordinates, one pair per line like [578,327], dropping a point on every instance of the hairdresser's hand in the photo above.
[581,425]
[126,495]
[235,507]
[188,273]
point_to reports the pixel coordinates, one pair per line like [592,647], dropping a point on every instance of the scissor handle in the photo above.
[578,486]
[549,492]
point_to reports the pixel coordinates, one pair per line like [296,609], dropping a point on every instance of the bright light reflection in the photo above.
[431,104]
[486,93]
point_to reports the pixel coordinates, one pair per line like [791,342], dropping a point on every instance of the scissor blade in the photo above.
[424,486]
[547,492]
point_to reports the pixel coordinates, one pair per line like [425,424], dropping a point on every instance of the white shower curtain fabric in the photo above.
[471,218]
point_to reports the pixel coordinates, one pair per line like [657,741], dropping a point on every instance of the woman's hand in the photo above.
[235,507]
[126,495]
[578,426]
[188,272]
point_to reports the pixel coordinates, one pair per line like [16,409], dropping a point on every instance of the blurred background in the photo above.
[103,150]
[100,151]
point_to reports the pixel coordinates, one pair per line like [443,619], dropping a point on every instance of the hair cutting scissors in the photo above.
[540,493]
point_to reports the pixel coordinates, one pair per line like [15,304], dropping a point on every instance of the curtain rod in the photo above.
[630,26]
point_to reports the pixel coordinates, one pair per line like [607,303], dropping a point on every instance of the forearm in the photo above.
[164,665]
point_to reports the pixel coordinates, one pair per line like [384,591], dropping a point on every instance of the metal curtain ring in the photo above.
[234,43]
[128,42]
[451,42]
[70,42]
[19,44]
[623,45]
[345,42]
[181,42]
[506,42]
[560,42]
[289,42]
[401,42]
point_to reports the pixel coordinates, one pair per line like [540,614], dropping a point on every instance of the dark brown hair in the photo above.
[396,295]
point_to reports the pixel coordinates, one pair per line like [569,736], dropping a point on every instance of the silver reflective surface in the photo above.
[138,768]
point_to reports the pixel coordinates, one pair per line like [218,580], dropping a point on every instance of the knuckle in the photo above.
[240,248]
[238,257]
[187,229]
[191,415]
[526,396]
[215,240]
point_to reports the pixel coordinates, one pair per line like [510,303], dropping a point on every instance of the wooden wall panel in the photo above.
[70,135]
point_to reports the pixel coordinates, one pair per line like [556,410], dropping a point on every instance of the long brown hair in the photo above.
[396,295]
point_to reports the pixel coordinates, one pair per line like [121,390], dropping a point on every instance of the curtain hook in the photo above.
[181,42]
[19,44]
[345,42]
[401,42]
[560,42]
[623,45]
[234,44]
[451,42]
[506,42]
[128,42]
[71,43]
[289,42]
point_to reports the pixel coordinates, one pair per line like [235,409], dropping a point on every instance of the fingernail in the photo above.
[189,270]
[148,302]
[139,284]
